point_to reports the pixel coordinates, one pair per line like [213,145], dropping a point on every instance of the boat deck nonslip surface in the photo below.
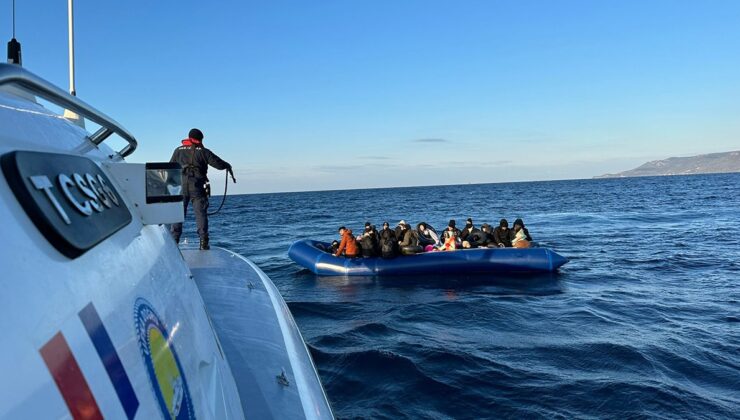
[267,356]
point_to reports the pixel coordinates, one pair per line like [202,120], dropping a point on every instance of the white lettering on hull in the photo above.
[95,192]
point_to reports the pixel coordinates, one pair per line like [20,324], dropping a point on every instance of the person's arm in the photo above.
[526,233]
[406,239]
[174,156]
[464,234]
[497,237]
[342,246]
[216,161]
[434,237]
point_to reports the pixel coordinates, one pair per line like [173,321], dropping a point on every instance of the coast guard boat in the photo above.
[102,315]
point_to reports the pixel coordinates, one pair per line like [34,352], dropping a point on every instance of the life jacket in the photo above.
[190,167]
[450,243]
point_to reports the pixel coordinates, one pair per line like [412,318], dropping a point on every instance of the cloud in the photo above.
[375,157]
[430,141]
[346,168]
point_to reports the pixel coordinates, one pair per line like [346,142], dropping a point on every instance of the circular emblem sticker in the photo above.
[162,365]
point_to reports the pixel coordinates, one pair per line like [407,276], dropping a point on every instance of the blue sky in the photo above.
[348,94]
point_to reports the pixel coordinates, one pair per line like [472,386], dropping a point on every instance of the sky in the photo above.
[334,94]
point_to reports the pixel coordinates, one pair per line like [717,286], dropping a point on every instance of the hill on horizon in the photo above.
[712,163]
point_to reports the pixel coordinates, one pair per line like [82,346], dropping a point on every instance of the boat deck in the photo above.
[267,356]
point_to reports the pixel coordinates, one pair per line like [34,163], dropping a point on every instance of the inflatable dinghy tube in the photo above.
[307,254]
[411,250]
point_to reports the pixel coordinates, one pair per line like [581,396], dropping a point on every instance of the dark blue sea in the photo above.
[644,321]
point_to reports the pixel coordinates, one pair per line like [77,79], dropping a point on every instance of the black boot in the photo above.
[204,244]
[175,236]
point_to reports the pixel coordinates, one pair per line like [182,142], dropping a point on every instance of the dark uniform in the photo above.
[194,159]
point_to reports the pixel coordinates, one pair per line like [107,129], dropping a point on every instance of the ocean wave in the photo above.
[641,323]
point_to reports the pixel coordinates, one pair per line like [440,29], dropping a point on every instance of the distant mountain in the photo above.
[703,164]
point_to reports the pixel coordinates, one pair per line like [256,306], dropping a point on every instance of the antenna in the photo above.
[14,47]
[71,49]
[69,114]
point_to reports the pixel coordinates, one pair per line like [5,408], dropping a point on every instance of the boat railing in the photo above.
[11,74]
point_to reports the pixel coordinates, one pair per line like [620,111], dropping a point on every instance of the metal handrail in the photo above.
[11,74]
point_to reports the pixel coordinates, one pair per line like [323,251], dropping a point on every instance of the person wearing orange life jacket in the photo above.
[450,237]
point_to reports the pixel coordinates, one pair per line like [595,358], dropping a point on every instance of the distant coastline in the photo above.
[713,163]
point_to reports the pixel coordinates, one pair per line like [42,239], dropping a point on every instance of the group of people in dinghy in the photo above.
[403,240]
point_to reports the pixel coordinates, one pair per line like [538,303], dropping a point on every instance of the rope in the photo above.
[226,188]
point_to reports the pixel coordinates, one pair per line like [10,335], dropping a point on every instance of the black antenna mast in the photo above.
[14,47]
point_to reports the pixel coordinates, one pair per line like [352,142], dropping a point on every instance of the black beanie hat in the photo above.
[470,221]
[503,223]
[519,222]
[195,134]
[452,223]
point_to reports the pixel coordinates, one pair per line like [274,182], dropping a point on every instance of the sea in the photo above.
[643,322]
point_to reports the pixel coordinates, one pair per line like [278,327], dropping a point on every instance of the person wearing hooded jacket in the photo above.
[471,236]
[348,245]
[195,159]
[520,222]
[451,231]
[487,239]
[388,242]
[387,234]
[369,241]
[467,230]
[407,236]
[502,235]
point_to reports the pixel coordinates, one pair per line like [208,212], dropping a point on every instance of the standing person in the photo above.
[194,159]
[502,235]
[348,245]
